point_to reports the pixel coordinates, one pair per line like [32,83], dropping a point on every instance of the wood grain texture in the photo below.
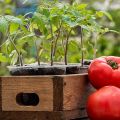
[74,87]
[75,90]
[31,115]
[43,87]
[88,91]
[58,93]
[60,115]
[0,94]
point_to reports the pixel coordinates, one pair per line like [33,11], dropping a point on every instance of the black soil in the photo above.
[46,69]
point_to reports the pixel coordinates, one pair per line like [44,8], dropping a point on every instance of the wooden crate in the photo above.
[60,97]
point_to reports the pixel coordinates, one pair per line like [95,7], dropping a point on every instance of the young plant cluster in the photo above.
[50,29]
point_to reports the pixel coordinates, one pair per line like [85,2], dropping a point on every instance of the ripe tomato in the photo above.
[105,71]
[104,104]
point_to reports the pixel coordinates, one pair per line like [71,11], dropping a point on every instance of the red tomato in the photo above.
[105,71]
[115,78]
[104,104]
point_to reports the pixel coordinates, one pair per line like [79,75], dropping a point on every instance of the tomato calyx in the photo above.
[113,64]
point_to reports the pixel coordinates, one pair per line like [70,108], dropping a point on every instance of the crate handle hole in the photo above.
[27,99]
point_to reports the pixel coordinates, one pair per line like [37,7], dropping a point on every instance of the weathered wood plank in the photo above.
[66,95]
[74,88]
[88,91]
[12,86]
[31,116]
[61,115]
[0,93]
[58,93]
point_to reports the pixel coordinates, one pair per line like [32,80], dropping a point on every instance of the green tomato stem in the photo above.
[52,42]
[55,46]
[19,53]
[66,47]
[37,53]
[82,53]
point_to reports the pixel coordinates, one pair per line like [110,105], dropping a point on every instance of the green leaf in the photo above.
[7,1]
[13,19]
[106,30]
[14,56]
[3,25]
[108,15]
[60,5]
[13,27]
[85,27]
[114,31]
[28,36]
[99,14]
[46,12]
[69,21]
[72,24]
[12,53]
[40,52]
[3,58]
[82,6]
[26,39]
[49,37]
[65,18]
[41,22]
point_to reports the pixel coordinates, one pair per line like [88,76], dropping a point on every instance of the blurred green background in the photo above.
[109,44]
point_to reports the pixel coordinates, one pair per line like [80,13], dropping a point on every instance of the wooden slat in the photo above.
[88,91]
[72,98]
[58,93]
[0,93]
[43,87]
[73,91]
[31,116]
[60,115]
